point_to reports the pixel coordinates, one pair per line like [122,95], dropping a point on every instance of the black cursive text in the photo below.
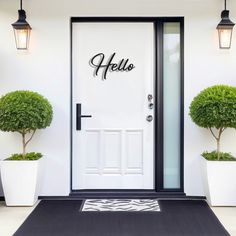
[97,62]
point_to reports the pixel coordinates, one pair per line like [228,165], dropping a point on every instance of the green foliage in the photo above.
[213,156]
[31,156]
[215,107]
[24,111]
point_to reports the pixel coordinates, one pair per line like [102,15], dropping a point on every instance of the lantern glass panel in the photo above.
[225,37]
[22,37]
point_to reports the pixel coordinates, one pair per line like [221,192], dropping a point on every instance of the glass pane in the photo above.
[171,105]
[22,38]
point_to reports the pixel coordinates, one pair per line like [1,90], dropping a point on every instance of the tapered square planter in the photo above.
[20,182]
[219,180]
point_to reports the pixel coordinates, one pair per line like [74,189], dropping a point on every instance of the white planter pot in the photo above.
[19,181]
[219,180]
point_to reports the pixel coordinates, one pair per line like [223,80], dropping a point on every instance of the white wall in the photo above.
[46,68]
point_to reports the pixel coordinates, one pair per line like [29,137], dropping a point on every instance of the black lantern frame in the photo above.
[22,30]
[225,30]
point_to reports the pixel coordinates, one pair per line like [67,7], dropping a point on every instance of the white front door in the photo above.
[113,74]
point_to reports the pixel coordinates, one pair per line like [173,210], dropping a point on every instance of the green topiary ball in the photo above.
[215,107]
[24,111]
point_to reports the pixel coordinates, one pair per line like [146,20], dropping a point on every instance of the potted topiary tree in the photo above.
[215,109]
[23,112]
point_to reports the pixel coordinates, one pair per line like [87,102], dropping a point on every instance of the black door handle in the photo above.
[79,116]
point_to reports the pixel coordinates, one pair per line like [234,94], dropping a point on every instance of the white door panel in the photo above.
[114,148]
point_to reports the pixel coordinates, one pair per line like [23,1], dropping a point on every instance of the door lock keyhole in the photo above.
[150,97]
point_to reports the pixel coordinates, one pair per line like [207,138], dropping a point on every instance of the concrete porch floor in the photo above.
[12,217]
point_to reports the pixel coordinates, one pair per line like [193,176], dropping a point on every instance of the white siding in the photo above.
[46,68]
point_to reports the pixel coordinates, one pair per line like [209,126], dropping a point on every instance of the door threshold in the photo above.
[133,194]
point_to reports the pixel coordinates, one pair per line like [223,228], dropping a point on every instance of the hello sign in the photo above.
[98,63]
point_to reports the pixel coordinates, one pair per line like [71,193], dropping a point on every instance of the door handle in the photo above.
[79,116]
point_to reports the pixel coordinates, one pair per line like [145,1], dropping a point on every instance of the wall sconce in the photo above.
[225,30]
[21,30]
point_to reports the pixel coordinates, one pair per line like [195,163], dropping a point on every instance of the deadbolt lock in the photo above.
[149,118]
[151,105]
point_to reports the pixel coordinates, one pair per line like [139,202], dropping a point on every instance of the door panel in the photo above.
[114,148]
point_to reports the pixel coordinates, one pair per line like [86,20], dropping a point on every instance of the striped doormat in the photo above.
[120,205]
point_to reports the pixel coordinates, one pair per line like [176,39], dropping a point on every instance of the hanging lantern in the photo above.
[225,30]
[21,30]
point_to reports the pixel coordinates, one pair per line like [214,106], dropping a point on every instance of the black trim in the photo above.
[126,19]
[182,105]
[159,107]
[159,188]
[126,194]
[159,104]
[71,104]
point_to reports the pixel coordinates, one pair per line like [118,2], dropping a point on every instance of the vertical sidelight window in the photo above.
[171,105]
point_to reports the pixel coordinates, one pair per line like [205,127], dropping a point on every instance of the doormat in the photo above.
[121,205]
[176,218]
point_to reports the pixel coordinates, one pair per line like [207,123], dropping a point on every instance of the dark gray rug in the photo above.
[177,217]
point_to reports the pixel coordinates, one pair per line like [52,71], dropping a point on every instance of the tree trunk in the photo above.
[218,142]
[24,144]
[218,148]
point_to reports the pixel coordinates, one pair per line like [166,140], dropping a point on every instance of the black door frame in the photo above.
[159,189]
